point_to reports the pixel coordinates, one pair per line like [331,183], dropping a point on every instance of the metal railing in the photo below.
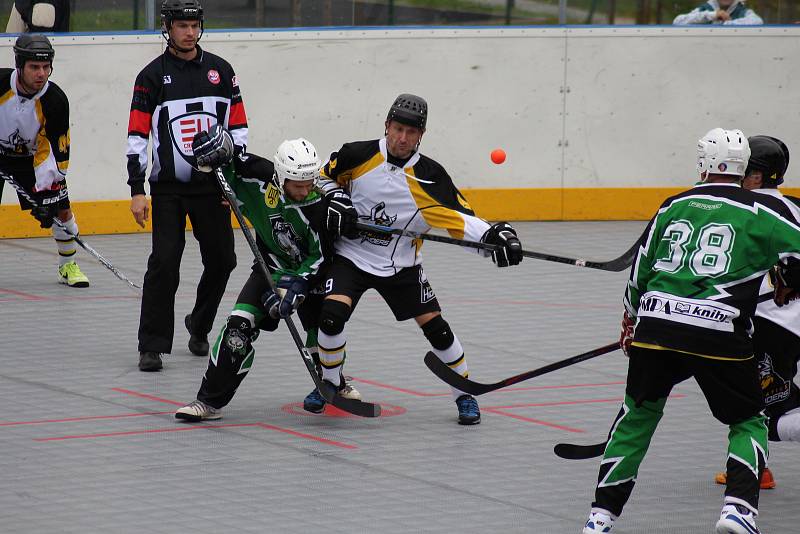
[117,15]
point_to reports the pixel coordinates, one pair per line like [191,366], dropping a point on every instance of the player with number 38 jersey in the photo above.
[697,277]
[689,305]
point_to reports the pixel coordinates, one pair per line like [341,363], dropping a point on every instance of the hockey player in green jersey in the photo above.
[280,200]
[689,305]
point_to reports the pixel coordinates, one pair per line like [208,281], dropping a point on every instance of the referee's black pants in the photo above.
[211,226]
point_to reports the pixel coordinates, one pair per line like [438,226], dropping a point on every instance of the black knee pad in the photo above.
[438,333]
[239,336]
[333,317]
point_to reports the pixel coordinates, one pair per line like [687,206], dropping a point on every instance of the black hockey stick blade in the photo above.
[355,407]
[444,372]
[616,265]
[571,451]
[329,393]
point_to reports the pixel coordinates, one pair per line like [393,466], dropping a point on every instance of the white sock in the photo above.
[331,355]
[789,426]
[65,242]
[453,356]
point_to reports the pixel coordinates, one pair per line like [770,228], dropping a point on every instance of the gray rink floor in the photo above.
[90,443]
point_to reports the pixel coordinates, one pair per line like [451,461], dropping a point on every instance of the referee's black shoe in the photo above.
[150,361]
[198,344]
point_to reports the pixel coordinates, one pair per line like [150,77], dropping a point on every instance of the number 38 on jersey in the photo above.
[706,250]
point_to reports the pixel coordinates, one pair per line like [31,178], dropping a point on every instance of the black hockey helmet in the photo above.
[33,47]
[172,10]
[409,109]
[770,156]
[181,10]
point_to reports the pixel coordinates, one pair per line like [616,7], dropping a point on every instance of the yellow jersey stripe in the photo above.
[6,96]
[42,142]
[659,347]
[435,214]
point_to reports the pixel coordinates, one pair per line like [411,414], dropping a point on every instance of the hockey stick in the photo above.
[571,451]
[107,264]
[328,391]
[616,265]
[443,371]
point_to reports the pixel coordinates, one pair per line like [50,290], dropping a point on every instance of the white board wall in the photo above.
[572,107]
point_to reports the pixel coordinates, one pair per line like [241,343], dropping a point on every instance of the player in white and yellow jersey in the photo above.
[34,145]
[388,182]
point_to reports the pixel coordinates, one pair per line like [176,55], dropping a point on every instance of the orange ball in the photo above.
[498,156]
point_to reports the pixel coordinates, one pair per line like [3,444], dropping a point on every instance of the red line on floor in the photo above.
[199,427]
[76,419]
[25,296]
[565,403]
[146,396]
[401,390]
[307,436]
[536,421]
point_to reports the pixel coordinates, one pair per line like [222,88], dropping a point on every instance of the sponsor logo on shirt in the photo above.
[272,196]
[235,81]
[695,312]
[167,79]
[183,128]
[213,76]
[695,204]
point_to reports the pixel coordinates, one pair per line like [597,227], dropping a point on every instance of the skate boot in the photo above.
[70,274]
[198,411]
[468,411]
[598,522]
[737,519]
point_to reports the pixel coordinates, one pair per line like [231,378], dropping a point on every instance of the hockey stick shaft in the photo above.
[84,245]
[363,409]
[444,372]
[617,264]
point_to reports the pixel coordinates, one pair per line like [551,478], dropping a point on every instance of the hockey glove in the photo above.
[296,289]
[271,303]
[342,216]
[213,148]
[509,251]
[626,335]
[47,204]
[785,278]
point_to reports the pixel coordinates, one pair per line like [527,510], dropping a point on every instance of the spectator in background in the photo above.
[720,12]
[38,16]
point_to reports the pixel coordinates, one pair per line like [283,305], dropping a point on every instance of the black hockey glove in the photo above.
[295,289]
[213,148]
[47,204]
[509,251]
[785,278]
[271,303]
[342,216]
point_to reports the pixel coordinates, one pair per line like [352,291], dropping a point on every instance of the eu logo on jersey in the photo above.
[272,196]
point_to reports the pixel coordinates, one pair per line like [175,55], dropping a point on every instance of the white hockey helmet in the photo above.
[297,159]
[723,152]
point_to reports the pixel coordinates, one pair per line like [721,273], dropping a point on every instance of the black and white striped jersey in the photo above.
[174,99]
[36,128]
